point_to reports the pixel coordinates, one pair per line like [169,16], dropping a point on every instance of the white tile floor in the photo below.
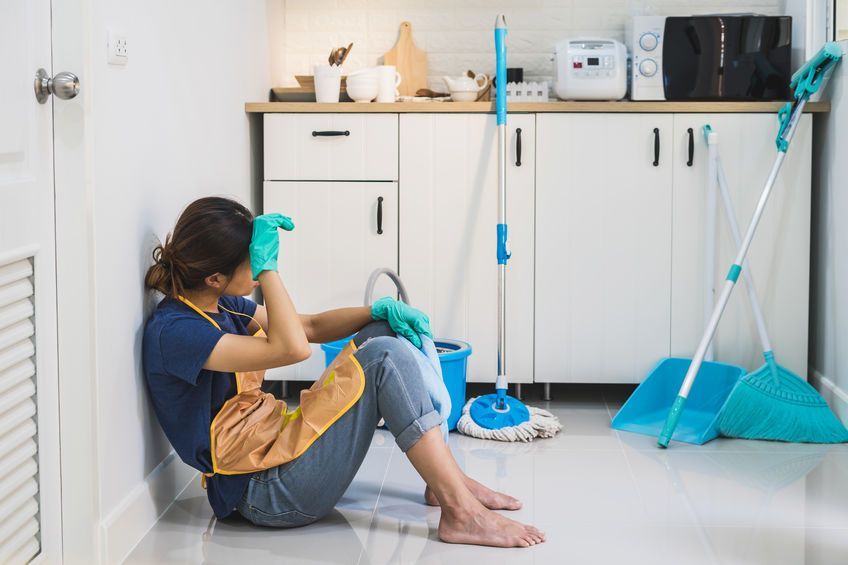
[601,496]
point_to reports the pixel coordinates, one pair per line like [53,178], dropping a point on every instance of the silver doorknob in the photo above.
[64,85]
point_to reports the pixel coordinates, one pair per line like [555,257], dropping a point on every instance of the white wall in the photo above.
[829,282]
[841,27]
[458,35]
[166,129]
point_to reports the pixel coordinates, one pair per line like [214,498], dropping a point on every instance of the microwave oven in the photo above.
[710,57]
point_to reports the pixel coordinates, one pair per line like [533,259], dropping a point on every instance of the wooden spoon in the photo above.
[345,53]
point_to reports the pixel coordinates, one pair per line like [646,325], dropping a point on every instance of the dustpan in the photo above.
[646,410]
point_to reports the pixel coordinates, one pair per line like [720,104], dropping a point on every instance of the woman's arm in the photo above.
[326,326]
[339,323]
[285,343]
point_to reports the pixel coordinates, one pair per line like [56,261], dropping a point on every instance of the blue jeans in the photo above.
[306,489]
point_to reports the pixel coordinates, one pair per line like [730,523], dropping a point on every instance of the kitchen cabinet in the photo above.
[336,244]
[603,247]
[448,211]
[780,253]
[606,228]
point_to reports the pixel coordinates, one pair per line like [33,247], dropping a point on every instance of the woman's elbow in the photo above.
[294,355]
[304,353]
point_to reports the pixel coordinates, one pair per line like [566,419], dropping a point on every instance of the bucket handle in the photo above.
[372,281]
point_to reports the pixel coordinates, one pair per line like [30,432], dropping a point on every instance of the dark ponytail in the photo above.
[212,236]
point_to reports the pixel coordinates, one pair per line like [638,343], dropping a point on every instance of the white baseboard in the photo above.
[130,521]
[835,396]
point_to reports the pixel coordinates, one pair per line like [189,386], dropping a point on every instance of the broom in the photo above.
[772,402]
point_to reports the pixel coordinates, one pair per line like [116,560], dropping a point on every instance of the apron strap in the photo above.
[191,305]
[203,478]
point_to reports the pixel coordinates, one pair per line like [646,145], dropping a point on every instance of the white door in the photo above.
[29,448]
[779,255]
[603,246]
[343,231]
[448,210]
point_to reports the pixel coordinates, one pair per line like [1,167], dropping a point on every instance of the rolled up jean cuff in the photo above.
[413,432]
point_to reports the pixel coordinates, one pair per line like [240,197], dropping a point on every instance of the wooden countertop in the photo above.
[527,107]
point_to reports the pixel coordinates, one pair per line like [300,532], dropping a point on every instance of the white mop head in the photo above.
[541,424]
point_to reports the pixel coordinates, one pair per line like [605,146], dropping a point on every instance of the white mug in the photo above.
[328,82]
[389,80]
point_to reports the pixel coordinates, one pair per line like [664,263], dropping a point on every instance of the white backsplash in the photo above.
[457,35]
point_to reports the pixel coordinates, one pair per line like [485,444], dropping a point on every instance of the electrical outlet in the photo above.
[116,48]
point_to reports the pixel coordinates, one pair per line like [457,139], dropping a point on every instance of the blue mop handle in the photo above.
[503,253]
[500,68]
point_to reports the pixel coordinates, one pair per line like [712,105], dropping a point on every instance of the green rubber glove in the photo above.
[265,244]
[403,318]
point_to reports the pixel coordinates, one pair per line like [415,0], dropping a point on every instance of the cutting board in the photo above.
[411,62]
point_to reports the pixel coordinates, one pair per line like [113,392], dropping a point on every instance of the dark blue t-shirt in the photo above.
[177,342]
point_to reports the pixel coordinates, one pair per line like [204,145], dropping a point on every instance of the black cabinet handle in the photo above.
[656,147]
[330,133]
[380,215]
[691,148]
[518,147]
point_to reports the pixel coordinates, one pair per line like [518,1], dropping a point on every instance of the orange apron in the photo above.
[253,430]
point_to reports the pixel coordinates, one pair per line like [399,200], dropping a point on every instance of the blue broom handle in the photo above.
[732,276]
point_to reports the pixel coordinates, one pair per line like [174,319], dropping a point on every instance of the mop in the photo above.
[499,416]
[782,398]
[771,403]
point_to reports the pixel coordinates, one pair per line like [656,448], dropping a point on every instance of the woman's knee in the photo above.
[382,349]
[377,328]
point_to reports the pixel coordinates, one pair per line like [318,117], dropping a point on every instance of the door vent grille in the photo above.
[19,511]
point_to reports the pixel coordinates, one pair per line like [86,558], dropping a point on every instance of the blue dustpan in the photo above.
[647,408]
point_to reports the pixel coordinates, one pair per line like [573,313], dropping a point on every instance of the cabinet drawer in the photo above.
[331,147]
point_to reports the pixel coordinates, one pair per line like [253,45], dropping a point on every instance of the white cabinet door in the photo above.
[603,249]
[325,262]
[779,255]
[448,205]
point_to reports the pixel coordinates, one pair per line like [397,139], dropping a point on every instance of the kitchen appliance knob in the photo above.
[648,67]
[648,41]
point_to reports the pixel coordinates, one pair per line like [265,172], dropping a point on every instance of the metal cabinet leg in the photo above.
[284,389]
[546,393]
[518,391]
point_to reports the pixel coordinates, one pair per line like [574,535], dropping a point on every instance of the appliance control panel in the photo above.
[645,38]
[590,69]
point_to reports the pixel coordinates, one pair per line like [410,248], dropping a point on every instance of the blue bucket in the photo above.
[453,357]
[646,410]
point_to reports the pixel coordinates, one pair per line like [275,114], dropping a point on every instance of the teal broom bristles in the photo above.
[772,403]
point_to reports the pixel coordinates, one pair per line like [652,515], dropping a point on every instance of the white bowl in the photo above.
[370,72]
[464,95]
[362,91]
[362,81]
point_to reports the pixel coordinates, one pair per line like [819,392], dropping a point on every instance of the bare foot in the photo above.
[480,526]
[491,499]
